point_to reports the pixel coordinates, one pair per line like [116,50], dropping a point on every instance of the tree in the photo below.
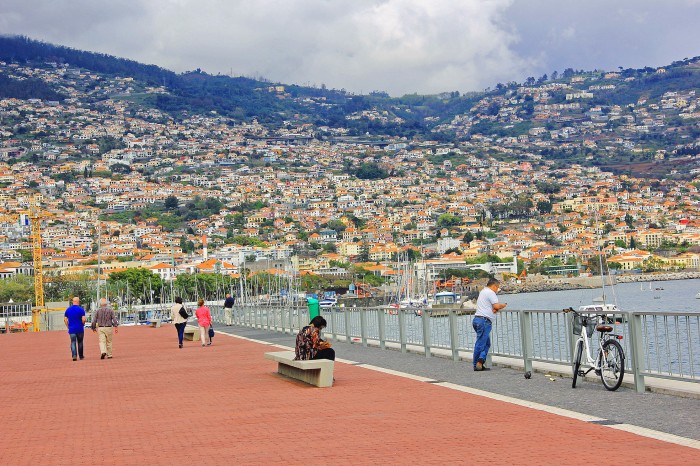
[544,207]
[63,288]
[364,253]
[370,171]
[448,220]
[120,168]
[143,283]
[652,264]
[27,255]
[336,225]
[20,288]
[171,203]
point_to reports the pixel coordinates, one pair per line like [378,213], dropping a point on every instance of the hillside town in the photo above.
[120,185]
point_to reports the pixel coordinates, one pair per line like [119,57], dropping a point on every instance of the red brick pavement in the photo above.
[156,404]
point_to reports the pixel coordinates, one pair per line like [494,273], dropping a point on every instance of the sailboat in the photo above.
[600,306]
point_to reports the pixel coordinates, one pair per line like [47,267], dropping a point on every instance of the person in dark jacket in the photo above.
[310,345]
[228,309]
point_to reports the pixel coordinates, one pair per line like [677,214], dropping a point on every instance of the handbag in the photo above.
[183,312]
[211,332]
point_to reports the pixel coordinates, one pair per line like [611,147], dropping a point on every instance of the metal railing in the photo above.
[656,344]
[15,317]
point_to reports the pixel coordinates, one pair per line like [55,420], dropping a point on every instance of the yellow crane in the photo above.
[33,218]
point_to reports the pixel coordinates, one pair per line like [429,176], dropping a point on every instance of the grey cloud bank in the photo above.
[398,46]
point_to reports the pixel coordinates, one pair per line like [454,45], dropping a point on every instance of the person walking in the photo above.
[74,318]
[103,322]
[486,307]
[179,316]
[228,309]
[204,320]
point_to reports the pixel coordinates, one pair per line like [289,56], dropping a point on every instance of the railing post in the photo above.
[291,321]
[426,333]
[570,337]
[363,327]
[493,337]
[526,339]
[381,317]
[402,330]
[454,343]
[280,322]
[636,347]
[334,324]
[346,319]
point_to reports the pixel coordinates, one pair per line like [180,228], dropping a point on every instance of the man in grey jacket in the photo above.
[103,322]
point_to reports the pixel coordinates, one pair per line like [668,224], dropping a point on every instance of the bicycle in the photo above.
[609,363]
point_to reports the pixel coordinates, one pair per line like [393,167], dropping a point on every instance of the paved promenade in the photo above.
[157,404]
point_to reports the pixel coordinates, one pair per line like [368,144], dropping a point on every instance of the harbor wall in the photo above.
[539,283]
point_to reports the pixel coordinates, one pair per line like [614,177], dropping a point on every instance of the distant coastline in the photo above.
[538,284]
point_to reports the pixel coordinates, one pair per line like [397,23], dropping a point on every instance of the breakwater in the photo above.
[540,283]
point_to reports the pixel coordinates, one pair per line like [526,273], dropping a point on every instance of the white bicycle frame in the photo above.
[594,363]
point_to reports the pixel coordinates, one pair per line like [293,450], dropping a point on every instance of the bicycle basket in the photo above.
[578,324]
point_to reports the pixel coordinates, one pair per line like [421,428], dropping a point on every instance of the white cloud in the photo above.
[400,46]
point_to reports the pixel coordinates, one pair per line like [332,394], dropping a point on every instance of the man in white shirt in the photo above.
[486,307]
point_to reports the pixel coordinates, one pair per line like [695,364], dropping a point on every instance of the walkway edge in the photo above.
[637,430]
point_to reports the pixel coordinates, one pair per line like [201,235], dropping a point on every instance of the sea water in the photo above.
[663,296]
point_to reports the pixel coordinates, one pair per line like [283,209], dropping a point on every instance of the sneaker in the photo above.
[109,357]
[75,359]
[479,365]
[180,345]
[102,356]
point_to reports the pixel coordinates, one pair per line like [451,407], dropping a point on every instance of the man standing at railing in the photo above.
[228,309]
[103,322]
[486,307]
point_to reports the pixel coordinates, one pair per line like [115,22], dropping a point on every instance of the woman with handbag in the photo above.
[310,345]
[179,316]
[204,319]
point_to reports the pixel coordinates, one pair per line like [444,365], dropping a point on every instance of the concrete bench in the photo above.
[155,323]
[191,333]
[317,372]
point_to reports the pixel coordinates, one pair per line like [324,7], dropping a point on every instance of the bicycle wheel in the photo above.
[577,361]
[612,366]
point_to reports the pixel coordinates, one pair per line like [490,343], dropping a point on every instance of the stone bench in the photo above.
[192,333]
[155,323]
[317,372]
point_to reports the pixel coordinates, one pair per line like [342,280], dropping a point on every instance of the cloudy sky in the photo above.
[398,46]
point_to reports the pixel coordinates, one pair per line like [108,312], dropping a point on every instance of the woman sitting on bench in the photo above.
[310,345]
